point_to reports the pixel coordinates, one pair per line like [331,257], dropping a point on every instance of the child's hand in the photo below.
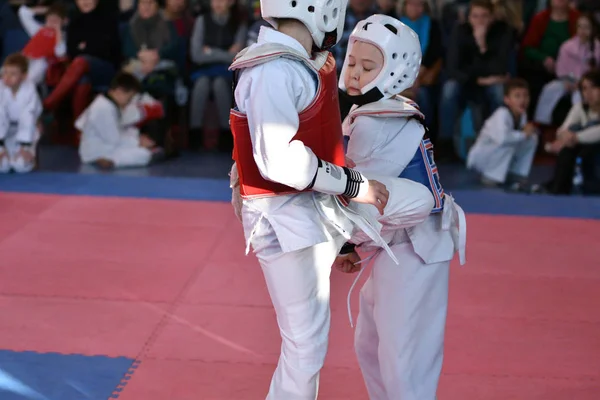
[377,195]
[347,263]
[350,163]
[554,147]
[235,48]
[530,129]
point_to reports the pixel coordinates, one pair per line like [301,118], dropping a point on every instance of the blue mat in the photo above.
[485,201]
[51,376]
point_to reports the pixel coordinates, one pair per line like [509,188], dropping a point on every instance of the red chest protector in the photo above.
[41,45]
[320,127]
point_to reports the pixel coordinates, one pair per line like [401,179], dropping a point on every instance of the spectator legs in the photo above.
[81,98]
[200,94]
[494,95]
[452,99]
[221,88]
[78,68]
[424,100]
[450,106]
[562,182]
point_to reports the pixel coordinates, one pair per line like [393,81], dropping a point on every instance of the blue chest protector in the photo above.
[422,169]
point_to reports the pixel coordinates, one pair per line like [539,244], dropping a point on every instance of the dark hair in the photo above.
[17,60]
[593,76]
[57,9]
[127,82]
[515,83]
[593,37]
[487,4]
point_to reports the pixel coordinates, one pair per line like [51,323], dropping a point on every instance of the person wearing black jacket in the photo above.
[94,51]
[477,64]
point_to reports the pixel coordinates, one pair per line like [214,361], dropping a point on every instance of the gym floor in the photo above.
[134,285]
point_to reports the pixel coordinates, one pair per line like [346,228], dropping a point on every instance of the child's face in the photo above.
[414,9]
[86,6]
[364,63]
[54,21]
[147,8]
[517,100]
[584,28]
[220,7]
[122,97]
[386,5]
[479,17]
[590,93]
[12,76]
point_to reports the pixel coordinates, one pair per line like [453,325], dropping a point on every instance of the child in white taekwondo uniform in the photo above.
[400,328]
[506,145]
[20,109]
[290,172]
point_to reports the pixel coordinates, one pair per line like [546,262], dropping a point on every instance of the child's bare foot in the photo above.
[104,163]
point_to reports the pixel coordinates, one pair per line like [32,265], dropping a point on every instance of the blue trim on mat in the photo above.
[52,376]
[473,201]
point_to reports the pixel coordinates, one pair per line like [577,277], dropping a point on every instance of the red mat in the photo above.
[167,282]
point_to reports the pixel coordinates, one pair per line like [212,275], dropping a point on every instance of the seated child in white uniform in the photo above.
[400,328]
[20,108]
[110,137]
[504,150]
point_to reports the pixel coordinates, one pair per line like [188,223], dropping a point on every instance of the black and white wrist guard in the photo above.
[347,248]
[332,179]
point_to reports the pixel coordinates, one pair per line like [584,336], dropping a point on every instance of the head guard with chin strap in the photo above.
[401,57]
[323,18]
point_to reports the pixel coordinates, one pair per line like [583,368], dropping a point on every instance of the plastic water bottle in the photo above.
[577,177]
[181,93]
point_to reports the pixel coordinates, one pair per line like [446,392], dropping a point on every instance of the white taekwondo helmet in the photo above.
[323,18]
[401,54]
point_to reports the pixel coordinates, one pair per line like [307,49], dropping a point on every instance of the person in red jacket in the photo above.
[547,31]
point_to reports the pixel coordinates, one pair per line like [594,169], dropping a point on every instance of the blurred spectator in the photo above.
[252,36]
[151,47]
[357,11]
[576,56]
[217,38]
[579,136]
[477,65]
[548,30]
[416,15]
[93,48]
[387,7]
[511,12]
[126,9]
[47,44]
[179,14]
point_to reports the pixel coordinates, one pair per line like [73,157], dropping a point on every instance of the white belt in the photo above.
[455,221]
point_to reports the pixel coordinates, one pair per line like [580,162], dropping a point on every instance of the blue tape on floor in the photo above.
[51,376]
[485,201]
[117,185]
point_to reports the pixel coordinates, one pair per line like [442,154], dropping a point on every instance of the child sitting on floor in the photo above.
[504,150]
[109,126]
